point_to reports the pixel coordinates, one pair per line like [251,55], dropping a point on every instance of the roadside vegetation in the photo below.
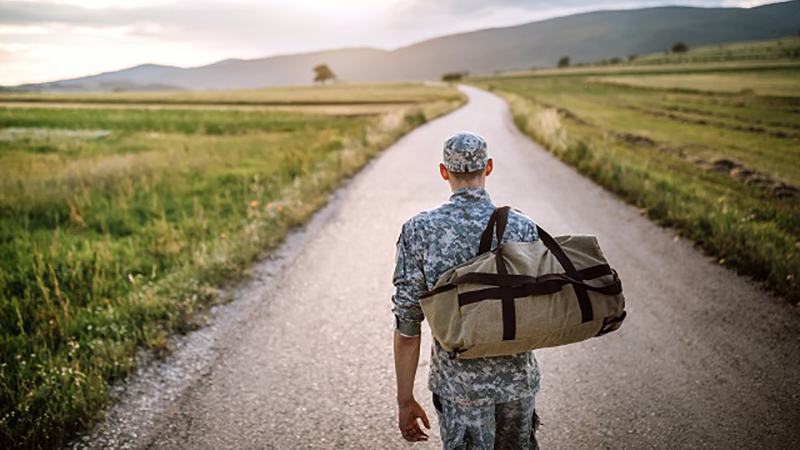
[119,226]
[713,154]
[336,94]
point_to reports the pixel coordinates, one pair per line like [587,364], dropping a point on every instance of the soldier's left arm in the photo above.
[530,232]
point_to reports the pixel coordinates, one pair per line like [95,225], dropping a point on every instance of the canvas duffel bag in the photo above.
[524,295]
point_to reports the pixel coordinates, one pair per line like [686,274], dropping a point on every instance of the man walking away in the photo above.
[484,403]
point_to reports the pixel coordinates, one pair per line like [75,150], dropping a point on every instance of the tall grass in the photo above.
[725,218]
[111,245]
[340,94]
[213,122]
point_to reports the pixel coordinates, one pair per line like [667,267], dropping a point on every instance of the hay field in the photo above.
[365,109]
[775,83]
[118,226]
[325,96]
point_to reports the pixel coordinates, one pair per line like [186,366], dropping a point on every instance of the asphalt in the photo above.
[302,358]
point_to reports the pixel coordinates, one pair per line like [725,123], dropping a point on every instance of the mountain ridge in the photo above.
[585,37]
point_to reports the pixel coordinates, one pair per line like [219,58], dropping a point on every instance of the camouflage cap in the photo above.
[465,152]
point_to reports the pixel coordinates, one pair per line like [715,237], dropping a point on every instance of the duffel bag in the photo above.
[524,295]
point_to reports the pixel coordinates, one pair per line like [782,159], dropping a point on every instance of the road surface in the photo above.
[302,357]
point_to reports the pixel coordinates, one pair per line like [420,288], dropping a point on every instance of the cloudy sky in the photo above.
[44,40]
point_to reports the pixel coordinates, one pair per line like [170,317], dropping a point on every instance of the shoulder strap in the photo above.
[497,222]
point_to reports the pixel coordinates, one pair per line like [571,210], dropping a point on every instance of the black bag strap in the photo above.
[509,308]
[494,279]
[546,286]
[524,282]
[486,237]
[498,222]
[580,291]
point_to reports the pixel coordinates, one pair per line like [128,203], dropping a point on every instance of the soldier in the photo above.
[482,403]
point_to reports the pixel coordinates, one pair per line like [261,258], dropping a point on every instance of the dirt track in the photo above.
[302,357]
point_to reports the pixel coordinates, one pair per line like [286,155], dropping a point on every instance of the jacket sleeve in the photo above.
[528,231]
[531,232]
[409,282]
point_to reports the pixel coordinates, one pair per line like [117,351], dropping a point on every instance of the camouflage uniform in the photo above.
[469,391]
[510,425]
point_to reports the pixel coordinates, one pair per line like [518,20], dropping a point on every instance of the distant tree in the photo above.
[615,60]
[452,77]
[323,73]
[563,62]
[679,47]
[632,57]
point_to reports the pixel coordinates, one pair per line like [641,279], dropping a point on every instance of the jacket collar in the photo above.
[470,194]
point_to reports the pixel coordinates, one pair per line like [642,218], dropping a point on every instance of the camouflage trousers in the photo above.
[511,425]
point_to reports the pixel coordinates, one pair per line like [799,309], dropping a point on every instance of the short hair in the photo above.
[466,177]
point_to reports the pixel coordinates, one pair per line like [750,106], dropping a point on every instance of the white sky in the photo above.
[45,40]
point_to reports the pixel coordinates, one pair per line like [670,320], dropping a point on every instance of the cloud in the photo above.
[470,7]
[184,33]
[80,38]
[236,25]
[32,13]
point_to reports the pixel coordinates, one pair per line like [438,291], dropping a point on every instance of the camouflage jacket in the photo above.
[432,242]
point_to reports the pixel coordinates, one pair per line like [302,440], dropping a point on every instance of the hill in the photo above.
[584,37]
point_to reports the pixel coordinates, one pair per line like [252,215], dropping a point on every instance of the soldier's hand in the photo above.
[410,411]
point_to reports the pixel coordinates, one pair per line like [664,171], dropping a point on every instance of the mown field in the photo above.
[119,226]
[342,94]
[713,155]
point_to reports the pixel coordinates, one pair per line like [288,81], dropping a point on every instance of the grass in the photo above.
[768,83]
[209,122]
[767,50]
[755,56]
[340,94]
[109,245]
[721,167]
[345,110]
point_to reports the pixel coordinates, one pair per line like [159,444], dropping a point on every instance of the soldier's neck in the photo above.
[454,186]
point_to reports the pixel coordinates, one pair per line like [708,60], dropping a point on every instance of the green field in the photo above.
[118,226]
[769,50]
[714,155]
[773,83]
[715,60]
[344,94]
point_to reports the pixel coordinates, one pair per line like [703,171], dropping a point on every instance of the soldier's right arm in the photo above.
[409,282]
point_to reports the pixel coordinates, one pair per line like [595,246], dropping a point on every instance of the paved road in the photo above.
[705,360]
